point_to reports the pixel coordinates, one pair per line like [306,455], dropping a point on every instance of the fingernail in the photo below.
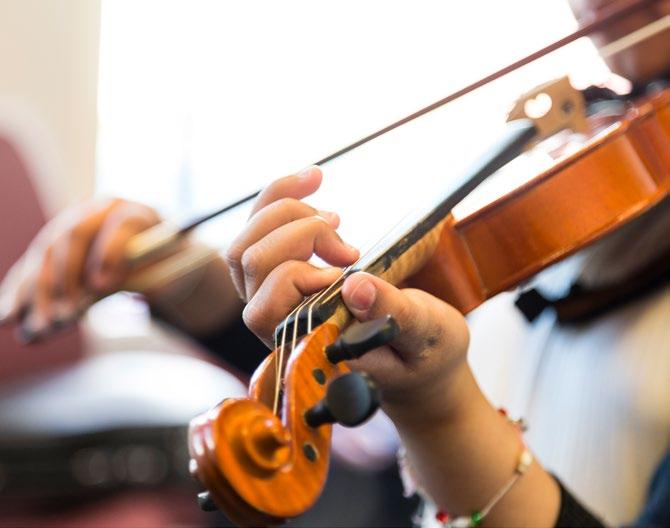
[26,333]
[363,296]
[332,218]
[307,172]
[32,326]
[350,247]
[345,244]
[64,312]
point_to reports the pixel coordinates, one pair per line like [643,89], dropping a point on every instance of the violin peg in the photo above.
[360,338]
[350,400]
[205,502]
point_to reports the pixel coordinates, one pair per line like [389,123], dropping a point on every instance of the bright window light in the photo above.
[202,101]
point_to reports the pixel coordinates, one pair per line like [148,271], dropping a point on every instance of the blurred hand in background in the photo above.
[74,260]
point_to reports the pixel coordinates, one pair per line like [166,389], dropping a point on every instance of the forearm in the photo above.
[201,302]
[464,457]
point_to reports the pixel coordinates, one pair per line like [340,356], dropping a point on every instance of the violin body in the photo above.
[618,175]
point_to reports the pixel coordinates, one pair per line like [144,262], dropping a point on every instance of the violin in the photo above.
[264,458]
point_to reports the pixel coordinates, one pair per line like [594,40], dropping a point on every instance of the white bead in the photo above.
[525,460]
[459,522]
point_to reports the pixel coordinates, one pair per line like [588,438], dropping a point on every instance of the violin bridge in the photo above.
[553,106]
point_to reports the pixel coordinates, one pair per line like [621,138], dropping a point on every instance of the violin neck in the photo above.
[405,250]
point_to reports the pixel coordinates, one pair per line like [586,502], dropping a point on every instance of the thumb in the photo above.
[425,322]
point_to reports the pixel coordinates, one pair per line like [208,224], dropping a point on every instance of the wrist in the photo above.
[200,301]
[445,402]
[469,459]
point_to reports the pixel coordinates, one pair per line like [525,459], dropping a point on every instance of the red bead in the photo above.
[442,516]
[502,411]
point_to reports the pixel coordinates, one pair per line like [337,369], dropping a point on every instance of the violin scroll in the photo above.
[262,467]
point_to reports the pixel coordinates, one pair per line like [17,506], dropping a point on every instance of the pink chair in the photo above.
[21,217]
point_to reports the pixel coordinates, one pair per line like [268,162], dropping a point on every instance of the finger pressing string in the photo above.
[285,287]
[422,318]
[298,240]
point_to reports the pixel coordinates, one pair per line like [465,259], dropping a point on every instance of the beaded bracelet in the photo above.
[475,518]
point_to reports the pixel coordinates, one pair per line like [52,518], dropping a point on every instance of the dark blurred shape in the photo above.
[205,502]
[53,471]
[109,424]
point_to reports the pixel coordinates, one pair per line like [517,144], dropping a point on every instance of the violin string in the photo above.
[317,297]
[294,339]
[279,360]
[310,302]
[635,37]
[279,368]
[314,299]
[309,318]
[278,356]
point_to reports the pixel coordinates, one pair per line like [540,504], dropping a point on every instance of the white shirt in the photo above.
[597,395]
[597,398]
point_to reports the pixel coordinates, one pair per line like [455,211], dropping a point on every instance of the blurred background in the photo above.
[188,105]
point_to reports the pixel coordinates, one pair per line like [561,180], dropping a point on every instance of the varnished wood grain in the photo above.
[220,444]
[584,197]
